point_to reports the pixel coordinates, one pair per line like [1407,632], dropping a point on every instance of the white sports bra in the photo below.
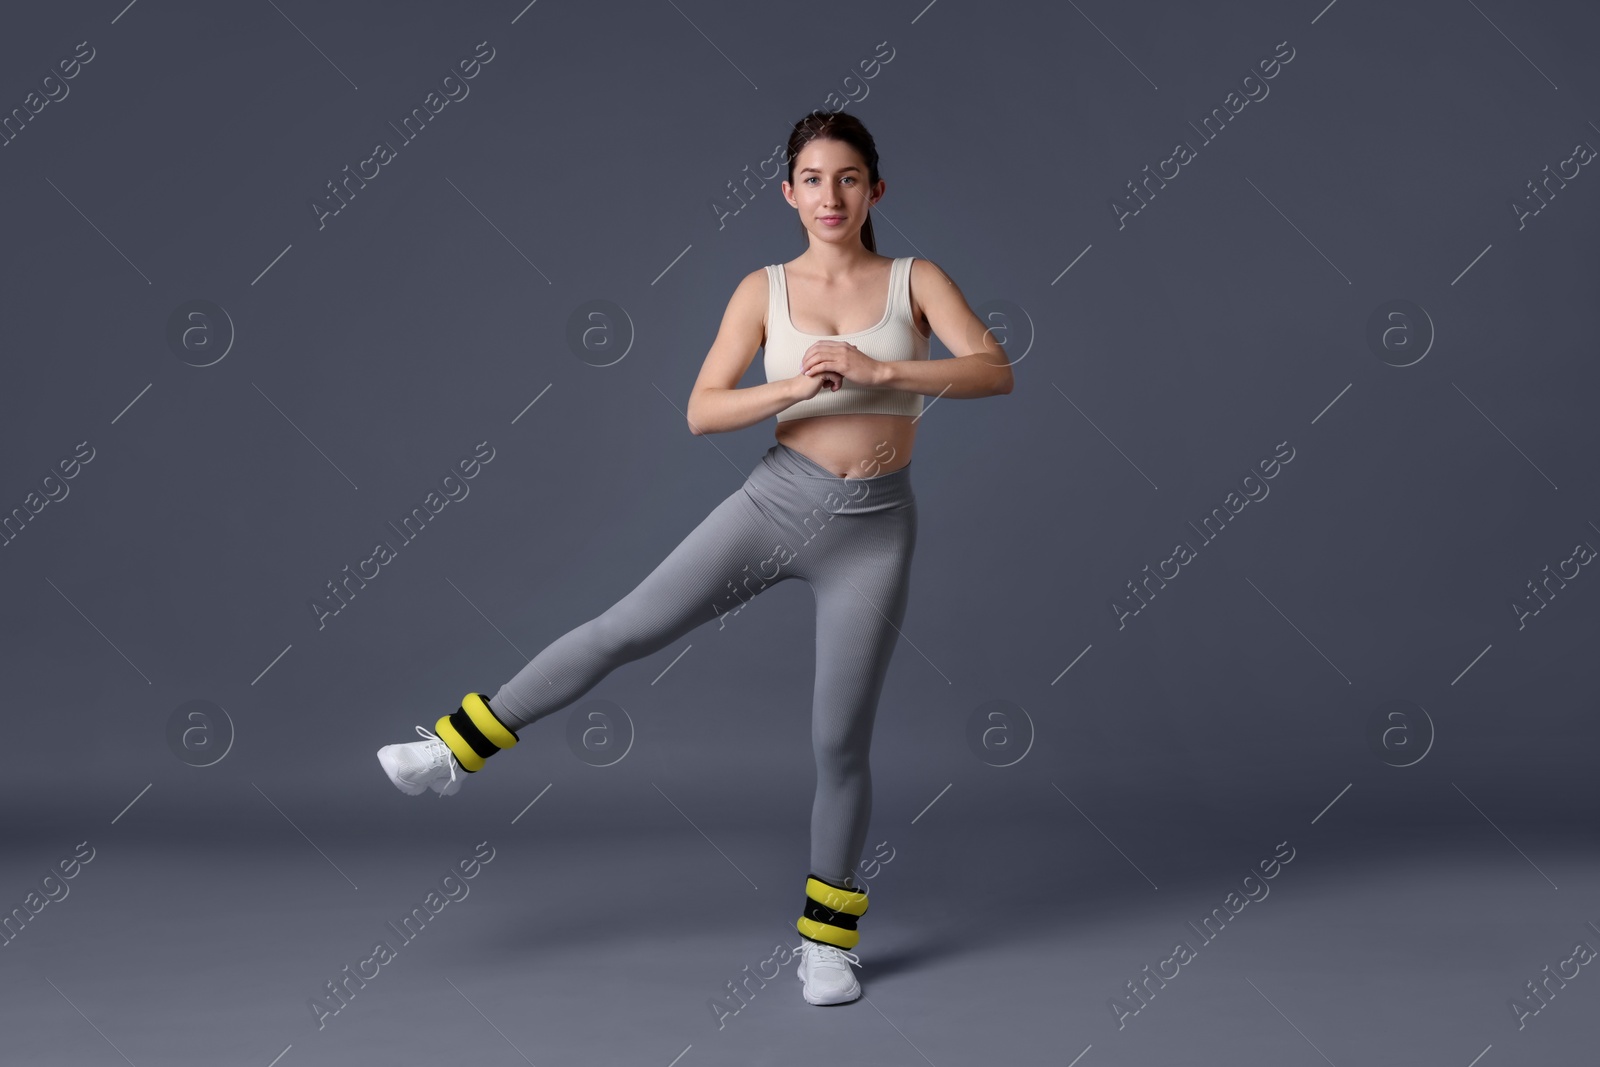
[895,337]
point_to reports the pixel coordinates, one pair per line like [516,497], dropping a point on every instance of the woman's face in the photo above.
[830,191]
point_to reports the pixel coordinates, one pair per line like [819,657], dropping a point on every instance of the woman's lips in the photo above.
[832,220]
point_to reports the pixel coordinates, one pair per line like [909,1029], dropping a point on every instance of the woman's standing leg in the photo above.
[862,584]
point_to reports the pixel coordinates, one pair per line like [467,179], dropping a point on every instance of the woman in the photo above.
[845,333]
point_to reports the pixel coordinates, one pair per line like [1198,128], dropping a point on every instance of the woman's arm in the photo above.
[960,378]
[716,404]
[717,410]
[980,366]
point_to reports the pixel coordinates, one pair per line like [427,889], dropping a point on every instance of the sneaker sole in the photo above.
[848,998]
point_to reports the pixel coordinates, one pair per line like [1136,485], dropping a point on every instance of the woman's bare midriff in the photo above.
[854,445]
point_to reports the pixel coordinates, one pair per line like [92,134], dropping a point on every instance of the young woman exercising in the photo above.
[831,503]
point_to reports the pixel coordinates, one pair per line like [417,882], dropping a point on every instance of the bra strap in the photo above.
[902,287]
[776,300]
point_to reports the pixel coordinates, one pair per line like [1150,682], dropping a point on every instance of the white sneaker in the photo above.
[422,765]
[825,974]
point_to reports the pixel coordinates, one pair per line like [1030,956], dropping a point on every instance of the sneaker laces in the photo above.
[450,757]
[832,955]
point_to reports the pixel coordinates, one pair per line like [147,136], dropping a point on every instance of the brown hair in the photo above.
[838,126]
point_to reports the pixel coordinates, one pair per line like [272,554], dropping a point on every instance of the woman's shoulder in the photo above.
[921,278]
[758,278]
[752,296]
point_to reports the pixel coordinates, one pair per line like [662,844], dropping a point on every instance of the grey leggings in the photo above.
[851,539]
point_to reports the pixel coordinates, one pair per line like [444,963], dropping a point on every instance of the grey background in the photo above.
[1231,714]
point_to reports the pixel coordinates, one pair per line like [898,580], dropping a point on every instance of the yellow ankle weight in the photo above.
[473,733]
[830,913]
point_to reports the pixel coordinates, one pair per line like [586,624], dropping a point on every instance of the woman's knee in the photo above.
[622,634]
[842,751]
[612,635]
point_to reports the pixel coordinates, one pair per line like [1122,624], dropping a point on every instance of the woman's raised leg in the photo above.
[711,571]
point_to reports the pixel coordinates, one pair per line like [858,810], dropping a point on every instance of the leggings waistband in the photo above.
[791,476]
